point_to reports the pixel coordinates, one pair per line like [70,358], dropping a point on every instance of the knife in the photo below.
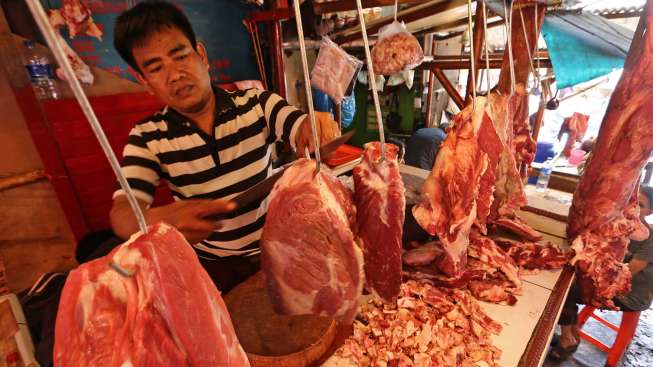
[264,187]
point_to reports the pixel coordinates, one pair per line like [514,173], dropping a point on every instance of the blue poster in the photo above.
[217,23]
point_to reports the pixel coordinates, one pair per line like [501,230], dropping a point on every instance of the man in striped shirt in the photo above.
[207,144]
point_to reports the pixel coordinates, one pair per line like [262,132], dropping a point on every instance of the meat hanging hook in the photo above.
[51,38]
[508,25]
[472,65]
[485,44]
[370,70]
[528,47]
[307,85]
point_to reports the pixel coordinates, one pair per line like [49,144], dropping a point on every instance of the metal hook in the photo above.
[120,270]
[307,85]
[370,69]
[471,52]
[485,44]
[52,39]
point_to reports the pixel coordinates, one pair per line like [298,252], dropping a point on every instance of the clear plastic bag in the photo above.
[396,50]
[334,70]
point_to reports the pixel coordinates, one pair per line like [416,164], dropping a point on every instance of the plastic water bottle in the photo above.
[545,175]
[40,72]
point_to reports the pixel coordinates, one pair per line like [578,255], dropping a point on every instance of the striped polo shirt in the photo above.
[196,165]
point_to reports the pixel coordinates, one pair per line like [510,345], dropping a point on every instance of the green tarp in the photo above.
[584,46]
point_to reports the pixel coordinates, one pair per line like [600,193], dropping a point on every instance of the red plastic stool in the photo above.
[625,332]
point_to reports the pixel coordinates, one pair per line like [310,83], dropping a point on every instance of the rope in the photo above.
[471,52]
[52,39]
[307,85]
[370,69]
[528,46]
[396,7]
[508,24]
[487,53]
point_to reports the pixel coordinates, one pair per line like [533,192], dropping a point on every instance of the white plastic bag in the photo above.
[396,50]
[334,70]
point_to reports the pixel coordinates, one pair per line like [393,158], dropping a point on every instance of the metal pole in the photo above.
[52,39]
[370,70]
[307,84]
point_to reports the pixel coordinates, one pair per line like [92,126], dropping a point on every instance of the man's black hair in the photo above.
[135,25]
[648,192]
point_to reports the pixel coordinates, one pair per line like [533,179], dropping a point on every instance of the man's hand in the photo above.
[327,130]
[188,216]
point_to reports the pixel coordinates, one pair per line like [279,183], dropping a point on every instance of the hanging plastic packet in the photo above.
[334,70]
[396,50]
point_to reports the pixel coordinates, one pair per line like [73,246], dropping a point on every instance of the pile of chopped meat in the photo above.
[493,267]
[426,326]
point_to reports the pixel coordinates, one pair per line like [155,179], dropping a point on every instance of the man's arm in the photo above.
[188,216]
[289,124]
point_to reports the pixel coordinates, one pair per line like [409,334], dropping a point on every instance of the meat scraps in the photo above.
[380,204]
[449,196]
[309,258]
[575,126]
[604,210]
[531,256]
[168,313]
[426,326]
[395,50]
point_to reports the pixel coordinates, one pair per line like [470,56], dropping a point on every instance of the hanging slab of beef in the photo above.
[604,211]
[450,194]
[311,263]
[380,203]
[168,313]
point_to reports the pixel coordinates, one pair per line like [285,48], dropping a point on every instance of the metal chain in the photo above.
[53,40]
[307,85]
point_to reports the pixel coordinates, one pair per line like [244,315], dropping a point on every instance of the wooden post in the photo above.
[429,100]
[451,90]
[479,37]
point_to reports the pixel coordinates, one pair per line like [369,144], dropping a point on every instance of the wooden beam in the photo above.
[347,5]
[409,15]
[451,90]
[520,51]
[456,64]
[479,37]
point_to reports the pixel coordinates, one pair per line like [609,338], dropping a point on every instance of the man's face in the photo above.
[173,71]
[644,207]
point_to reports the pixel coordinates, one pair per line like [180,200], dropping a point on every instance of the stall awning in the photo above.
[584,46]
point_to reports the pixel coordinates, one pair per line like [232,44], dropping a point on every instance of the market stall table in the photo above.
[528,326]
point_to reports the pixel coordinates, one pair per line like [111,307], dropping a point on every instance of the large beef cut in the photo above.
[449,196]
[168,313]
[310,260]
[509,196]
[380,204]
[604,212]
